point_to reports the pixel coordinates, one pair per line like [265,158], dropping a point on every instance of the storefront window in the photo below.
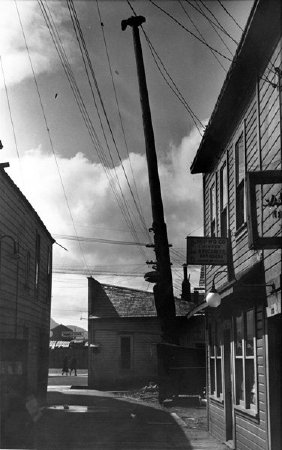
[245,363]
[215,350]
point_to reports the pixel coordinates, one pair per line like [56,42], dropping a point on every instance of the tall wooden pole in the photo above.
[163,290]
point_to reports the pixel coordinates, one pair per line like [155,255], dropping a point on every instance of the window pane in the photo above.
[212,375]
[250,383]
[240,159]
[250,331]
[212,200]
[125,352]
[223,222]
[217,340]
[238,335]
[223,187]
[218,377]
[240,206]
[211,333]
[239,380]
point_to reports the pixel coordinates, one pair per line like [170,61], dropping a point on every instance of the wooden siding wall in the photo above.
[104,362]
[24,315]
[262,133]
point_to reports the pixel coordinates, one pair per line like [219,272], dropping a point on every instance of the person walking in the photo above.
[65,368]
[73,365]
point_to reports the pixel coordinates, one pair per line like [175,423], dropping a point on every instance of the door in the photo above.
[228,399]
[275,380]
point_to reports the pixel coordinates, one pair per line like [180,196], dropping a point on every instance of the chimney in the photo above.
[186,287]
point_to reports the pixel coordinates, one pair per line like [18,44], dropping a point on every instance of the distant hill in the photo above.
[54,324]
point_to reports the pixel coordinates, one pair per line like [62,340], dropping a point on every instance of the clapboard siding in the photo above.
[216,420]
[105,369]
[260,122]
[24,315]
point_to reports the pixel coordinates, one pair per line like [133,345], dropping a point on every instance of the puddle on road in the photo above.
[78,408]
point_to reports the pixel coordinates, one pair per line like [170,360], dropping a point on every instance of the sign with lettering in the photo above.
[71,334]
[207,251]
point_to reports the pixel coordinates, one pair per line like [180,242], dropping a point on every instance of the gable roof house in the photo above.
[123,333]
[240,158]
[25,302]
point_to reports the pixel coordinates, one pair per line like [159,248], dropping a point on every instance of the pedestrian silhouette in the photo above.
[65,368]
[73,365]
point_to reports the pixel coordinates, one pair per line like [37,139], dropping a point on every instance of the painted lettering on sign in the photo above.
[207,251]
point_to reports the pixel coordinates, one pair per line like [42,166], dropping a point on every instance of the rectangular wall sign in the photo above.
[207,251]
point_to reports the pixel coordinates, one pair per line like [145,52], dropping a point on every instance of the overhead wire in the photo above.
[48,132]
[79,100]
[201,35]
[172,85]
[90,65]
[216,32]
[89,125]
[230,15]
[188,31]
[220,27]
[140,211]
[11,118]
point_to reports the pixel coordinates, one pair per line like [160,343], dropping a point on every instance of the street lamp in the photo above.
[213,298]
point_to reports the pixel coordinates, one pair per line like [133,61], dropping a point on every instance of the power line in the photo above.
[48,130]
[100,240]
[230,15]
[215,30]
[188,31]
[81,40]
[11,117]
[215,24]
[89,125]
[201,35]
[120,117]
[171,84]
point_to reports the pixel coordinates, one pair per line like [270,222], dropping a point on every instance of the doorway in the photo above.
[275,380]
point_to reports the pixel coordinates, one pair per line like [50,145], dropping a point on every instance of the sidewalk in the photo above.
[88,419]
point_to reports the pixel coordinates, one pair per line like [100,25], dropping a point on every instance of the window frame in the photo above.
[245,403]
[49,272]
[215,360]
[130,337]
[240,185]
[223,207]
[213,208]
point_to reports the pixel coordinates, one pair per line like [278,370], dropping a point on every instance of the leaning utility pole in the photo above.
[163,290]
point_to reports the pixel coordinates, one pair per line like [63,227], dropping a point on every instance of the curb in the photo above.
[178,419]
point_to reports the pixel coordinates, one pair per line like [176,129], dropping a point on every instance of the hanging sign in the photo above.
[207,251]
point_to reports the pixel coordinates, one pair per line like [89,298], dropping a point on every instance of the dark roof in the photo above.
[261,34]
[25,200]
[117,301]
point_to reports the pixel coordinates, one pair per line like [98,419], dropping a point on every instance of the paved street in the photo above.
[89,419]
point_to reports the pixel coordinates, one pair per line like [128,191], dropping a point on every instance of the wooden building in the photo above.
[240,158]
[25,300]
[123,335]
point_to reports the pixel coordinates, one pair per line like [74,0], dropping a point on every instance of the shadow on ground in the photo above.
[107,423]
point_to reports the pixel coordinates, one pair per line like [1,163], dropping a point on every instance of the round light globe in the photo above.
[213,299]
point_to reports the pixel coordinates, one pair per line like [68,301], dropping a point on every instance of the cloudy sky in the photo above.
[73,132]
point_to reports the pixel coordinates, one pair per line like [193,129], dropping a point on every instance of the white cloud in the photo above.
[95,213]
[12,44]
